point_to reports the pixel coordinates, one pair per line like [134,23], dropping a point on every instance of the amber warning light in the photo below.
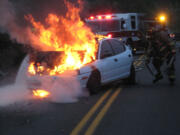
[162,18]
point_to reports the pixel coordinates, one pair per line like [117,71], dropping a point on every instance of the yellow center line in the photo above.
[82,123]
[138,59]
[101,114]
[138,64]
[92,127]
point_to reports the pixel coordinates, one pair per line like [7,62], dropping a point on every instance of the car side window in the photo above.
[117,46]
[106,50]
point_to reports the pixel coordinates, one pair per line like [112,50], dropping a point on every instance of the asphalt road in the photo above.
[143,109]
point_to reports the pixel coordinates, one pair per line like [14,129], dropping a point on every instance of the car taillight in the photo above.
[109,35]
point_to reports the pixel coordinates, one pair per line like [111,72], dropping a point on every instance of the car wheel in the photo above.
[94,82]
[132,77]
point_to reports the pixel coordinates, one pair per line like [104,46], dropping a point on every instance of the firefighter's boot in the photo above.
[171,77]
[158,76]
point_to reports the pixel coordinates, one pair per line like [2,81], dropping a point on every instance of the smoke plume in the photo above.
[63,89]
[8,22]
[12,14]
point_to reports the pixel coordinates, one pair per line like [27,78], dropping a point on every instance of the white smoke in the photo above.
[13,94]
[63,89]
[16,92]
[6,14]
[8,23]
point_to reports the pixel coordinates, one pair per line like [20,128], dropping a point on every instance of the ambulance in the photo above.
[119,22]
[119,25]
[132,27]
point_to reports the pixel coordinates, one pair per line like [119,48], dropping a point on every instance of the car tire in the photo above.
[94,82]
[131,80]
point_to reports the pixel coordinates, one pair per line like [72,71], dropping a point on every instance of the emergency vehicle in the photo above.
[119,22]
[119,25]
[133,26]
[126,23]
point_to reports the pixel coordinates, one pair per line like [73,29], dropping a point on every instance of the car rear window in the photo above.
[106,50]
[117,46]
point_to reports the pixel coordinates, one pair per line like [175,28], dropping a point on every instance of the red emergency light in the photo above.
[109,35]
[99,17]
[91,17]
[108,17]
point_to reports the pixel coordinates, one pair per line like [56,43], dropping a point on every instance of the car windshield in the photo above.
[104,26]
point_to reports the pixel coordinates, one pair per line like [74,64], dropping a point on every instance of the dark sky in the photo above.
[38,8]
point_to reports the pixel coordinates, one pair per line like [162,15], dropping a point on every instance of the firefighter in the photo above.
[161,49]
[171,52]
[153,51]
[170,61]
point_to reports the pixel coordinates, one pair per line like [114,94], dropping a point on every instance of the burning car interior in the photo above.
[43,62]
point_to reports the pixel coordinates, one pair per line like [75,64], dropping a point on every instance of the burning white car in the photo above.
[114,61]
[65,44]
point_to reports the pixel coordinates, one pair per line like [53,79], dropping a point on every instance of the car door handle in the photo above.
[129,55]
[115,60]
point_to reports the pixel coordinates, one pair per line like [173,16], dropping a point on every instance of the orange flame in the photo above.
[31,69]
[41,93]
[68,34]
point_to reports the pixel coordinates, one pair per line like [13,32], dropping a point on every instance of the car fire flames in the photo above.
[40,93]
[67,34]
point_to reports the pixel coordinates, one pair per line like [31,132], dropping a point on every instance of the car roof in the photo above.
[104,39]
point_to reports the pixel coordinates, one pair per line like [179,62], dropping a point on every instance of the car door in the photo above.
[107,62]
[123,56]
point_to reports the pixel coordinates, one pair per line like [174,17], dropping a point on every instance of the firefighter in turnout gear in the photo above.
[161,49]
[170,61]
